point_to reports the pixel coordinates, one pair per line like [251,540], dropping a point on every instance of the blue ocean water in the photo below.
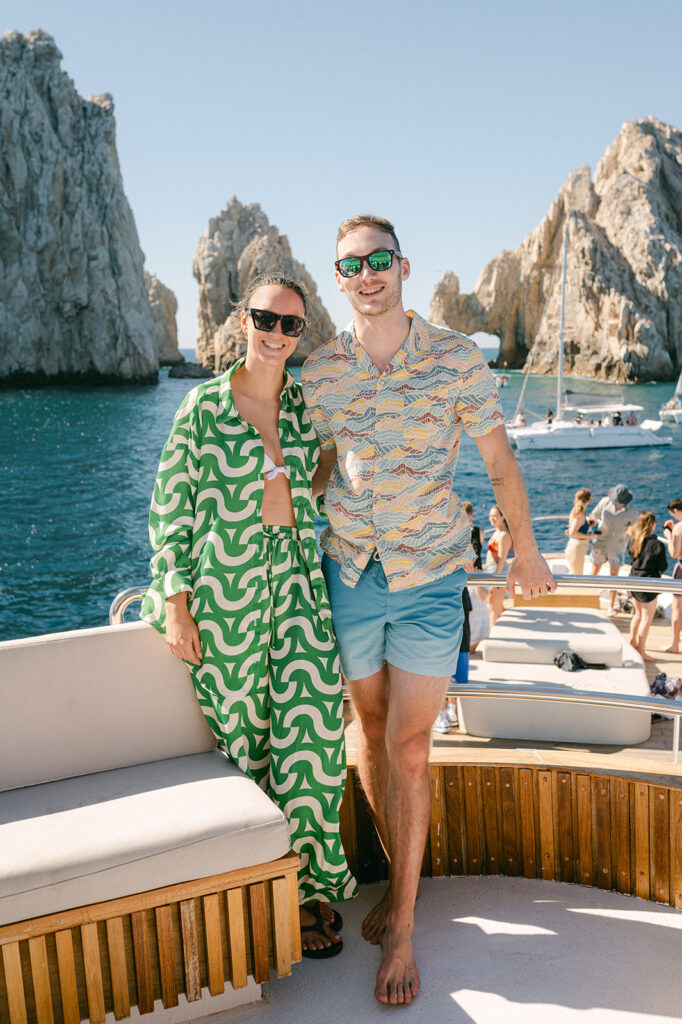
[78,467]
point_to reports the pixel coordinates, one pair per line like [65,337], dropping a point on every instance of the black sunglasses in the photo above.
[380,260]
[265,320]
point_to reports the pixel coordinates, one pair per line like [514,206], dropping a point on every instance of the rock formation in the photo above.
[623,308]
[239,244]
[164,307]
[73,303]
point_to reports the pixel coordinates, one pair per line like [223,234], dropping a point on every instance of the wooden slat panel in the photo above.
[473,829]
[583,786]
[564,803]
[259,932]
[455,820]
[489,794]
[294,917]
[347,823]
[676,850]
[602,803]
[510,844]
[237,937]
[279,902]
[166,945]
[528,834]
[372,863]
[143,962]
[621,835]
[546,825]
[437,822]
[11,960]
[67,977]
[93,973]
[168,894]
[642,844]
[190,950]
[214,942]
[118,966]
[40,974]
[659,821]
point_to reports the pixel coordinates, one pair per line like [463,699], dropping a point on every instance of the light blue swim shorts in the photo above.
[418,630]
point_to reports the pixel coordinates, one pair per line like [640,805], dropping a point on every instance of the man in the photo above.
[388,397]
[612,515]
[672,530]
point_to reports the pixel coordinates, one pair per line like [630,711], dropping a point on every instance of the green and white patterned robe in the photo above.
[269,682]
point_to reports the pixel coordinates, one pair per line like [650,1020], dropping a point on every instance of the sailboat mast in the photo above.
[560,366]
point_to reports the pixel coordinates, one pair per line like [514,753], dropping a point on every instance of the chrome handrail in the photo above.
[122,601]
[662,705]
[645,584]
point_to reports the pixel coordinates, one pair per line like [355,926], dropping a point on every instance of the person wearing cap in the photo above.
[611,517]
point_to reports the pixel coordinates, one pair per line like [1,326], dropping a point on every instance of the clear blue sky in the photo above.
[458,121]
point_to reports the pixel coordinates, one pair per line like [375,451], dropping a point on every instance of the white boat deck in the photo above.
[492,950]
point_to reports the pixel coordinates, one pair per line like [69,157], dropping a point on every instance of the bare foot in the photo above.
[397,977]
[374,924]
[314,937]
[641,651]
[673,649]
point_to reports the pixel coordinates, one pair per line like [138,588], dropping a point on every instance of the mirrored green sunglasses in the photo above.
[382,259]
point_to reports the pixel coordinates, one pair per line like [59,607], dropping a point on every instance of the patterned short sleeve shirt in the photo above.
[397,436]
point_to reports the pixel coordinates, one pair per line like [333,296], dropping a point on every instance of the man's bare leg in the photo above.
[370,699]
[413,705]
[676,624]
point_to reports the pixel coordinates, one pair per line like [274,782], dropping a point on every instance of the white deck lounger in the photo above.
[521,651]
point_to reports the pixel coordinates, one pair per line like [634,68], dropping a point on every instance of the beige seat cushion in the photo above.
[542,651]
[537,632]
[101,836]
[91,700]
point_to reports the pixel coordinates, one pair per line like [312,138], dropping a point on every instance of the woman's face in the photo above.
[495,517]
[271,348]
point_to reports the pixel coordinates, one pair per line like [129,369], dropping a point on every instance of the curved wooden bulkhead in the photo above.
[565,824]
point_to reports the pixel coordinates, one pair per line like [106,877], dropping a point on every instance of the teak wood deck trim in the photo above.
[109,957]
[551,823]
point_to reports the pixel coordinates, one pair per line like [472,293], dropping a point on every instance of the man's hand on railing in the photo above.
[532,574]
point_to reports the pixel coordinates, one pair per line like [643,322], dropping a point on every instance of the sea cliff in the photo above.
[623,305]
[73,300]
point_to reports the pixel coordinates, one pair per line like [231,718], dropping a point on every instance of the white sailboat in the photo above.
[672,410]
[584,421]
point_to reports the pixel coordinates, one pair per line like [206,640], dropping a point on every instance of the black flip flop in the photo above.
[327,951]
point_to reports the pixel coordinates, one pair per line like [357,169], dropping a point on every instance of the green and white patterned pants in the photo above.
[270,688]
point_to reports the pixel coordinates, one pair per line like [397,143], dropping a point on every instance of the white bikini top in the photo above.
[270,470]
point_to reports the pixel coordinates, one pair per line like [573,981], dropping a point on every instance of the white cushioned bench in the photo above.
[111,786]
[521,651]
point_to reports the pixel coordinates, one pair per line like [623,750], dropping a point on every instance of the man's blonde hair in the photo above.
[367,220]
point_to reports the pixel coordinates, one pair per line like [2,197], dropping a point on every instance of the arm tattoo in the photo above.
[497,481]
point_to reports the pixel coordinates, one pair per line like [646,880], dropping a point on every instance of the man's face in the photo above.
[372,292]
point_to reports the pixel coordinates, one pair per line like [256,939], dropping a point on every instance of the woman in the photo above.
[577,532]
[648,559]
[238,591]
[499,547]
